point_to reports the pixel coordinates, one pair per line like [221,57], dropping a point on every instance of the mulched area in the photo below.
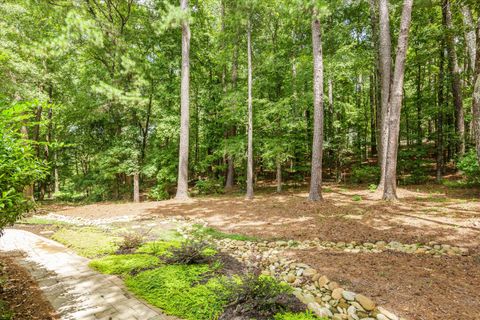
[417,287]
[339,217]
[21,293]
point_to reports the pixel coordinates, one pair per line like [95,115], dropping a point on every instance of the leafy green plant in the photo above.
[357,198]
[19,167]
[158,248]
[365,173]
[180,290]
[469,167]
[125,263]
[297,316]
[209,186]
[372,187]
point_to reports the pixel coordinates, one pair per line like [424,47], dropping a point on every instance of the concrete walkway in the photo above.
[75,291]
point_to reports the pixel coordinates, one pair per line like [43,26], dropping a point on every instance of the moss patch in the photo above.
[214,233]
[297,316]
[177,290]
[41,221]
[158,248]
[88,242]
[125,263]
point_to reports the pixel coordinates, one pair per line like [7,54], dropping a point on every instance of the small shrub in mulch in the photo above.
[191,252]
[130,242]
[259,297]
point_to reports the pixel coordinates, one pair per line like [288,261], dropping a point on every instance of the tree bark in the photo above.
[250,116]
[395,104]
[455,72]
[55,174]
[476,96]
[385,64]
[317,144]
[470,37]
[230,161]
[440,101]
[279,175]
[136,187]
[182,185]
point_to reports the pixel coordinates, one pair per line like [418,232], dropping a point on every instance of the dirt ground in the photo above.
[21,293]
[415,286]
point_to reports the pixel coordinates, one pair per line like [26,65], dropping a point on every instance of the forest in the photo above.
[163,140]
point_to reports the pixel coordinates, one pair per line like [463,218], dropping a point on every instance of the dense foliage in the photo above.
[106,75]
[19,167]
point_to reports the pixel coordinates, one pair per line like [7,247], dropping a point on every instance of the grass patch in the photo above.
[297,316]
[176,289]
[41,221]
[88,242]
[5,312]
[357,198]
[201,231]
[124,263]
[158,248]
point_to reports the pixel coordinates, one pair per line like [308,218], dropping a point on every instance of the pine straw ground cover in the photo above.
[191,280]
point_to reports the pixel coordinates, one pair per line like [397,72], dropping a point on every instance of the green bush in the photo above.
[365,174]
[209,186]
[124,263]
[179,290]
[159,192]
[412,167]
[469,167]
[19,167]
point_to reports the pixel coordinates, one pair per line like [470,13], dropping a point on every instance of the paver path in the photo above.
[75,291]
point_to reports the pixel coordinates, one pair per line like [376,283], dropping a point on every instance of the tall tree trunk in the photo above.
[476,96]
[250,116]
[395,104]
[136,187]
[419,106]
[470,37]
[385,64]
[373,136]
[182,185]
[230,161]
[28,190]
[279,175]
[317,144]
[55,173]
[440,101]
[455,72]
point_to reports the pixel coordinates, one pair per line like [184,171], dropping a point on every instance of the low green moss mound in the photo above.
[179,291]
[158,248]
[124,263]
[200,231]
[297,316]
[88,242]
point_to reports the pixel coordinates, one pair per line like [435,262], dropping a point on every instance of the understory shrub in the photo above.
[124,263]
[130,241]
[179,290]
[191,252]
[469,167]
[260,297]
[365,174]
[209,186]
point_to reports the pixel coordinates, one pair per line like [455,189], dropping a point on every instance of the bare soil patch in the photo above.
[417,287]
[21,293]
